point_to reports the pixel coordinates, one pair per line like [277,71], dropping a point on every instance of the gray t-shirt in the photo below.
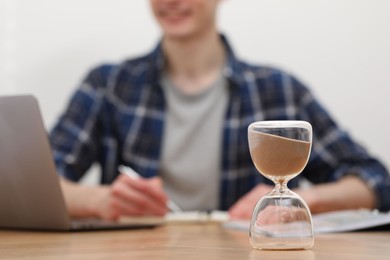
[192,143]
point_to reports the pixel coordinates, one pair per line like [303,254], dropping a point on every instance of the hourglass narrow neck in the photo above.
[281,186]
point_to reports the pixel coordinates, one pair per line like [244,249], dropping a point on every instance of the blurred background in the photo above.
[340,49]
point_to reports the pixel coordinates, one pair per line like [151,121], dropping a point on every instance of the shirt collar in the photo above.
[232,69]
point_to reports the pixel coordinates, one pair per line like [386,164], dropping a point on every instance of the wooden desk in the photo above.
[201,241]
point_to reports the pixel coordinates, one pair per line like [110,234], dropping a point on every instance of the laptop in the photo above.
[30,192]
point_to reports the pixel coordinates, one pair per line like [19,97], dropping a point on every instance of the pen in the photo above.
[134,175]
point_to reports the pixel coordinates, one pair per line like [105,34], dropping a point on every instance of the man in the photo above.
[179,118]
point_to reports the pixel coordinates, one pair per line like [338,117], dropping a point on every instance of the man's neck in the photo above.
[194,64]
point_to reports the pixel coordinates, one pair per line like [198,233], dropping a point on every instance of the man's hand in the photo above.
[132,197]
[243,208]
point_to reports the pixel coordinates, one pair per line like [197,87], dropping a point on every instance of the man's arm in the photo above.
[349,192]
[124,197]
[84,201]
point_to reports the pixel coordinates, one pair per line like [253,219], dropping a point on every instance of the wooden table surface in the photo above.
[182,241]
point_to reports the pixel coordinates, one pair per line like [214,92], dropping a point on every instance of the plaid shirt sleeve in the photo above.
[73,139]
[335,154]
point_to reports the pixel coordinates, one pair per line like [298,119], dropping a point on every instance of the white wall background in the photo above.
[341,49]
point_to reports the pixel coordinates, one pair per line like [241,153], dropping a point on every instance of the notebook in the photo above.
[336,221]
[30,192]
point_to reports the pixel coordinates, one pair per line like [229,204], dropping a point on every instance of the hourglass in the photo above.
[281,219]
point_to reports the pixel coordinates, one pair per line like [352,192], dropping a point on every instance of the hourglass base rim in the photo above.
[281,247]
[268,241]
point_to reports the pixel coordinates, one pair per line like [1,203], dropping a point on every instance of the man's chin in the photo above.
[178,35]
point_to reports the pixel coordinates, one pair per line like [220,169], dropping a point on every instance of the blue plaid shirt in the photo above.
[117,117]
